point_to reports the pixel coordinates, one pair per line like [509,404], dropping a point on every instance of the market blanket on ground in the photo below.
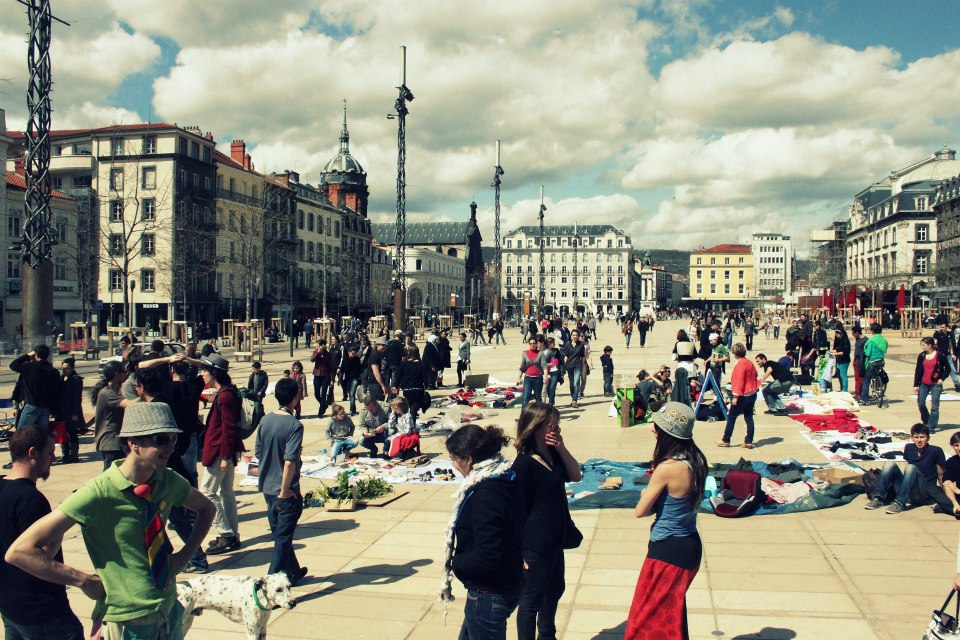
[587,494]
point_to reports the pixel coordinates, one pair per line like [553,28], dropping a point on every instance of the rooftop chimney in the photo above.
[19,165]
[246,162]
[238,149]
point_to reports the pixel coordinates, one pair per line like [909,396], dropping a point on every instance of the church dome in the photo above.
[343,162]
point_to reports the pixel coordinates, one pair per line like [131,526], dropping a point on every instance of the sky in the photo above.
[684,123]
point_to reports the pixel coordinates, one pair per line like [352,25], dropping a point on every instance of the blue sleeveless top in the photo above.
[676,517]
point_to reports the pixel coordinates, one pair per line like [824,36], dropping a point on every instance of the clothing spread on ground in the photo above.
[793,488]
[418,470]
[864,444]
[497,395]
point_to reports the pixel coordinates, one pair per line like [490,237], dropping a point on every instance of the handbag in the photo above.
[572,537]
[943,626]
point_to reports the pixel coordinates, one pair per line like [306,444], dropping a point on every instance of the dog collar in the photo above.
[257,600]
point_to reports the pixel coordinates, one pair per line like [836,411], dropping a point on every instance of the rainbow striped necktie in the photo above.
[158,544]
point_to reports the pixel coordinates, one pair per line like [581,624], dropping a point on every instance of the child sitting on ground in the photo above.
[340,433]
[404,440]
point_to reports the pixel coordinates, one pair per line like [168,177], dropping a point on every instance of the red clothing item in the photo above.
[929,368]
[744,380]
[322,363]
[846,423]
[222,438]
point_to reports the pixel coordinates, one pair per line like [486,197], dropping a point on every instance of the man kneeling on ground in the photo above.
[920,482]
[780,381]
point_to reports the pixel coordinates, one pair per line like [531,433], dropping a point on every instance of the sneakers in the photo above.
[223,544]
[721,443]
[747,445]
[895,507]
[875,503]
[196,568]
[298,576]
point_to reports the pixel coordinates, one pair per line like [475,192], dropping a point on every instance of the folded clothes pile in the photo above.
[865,444]
[840,420]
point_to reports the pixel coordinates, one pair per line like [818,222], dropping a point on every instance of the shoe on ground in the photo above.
[747,445]
[937,509]
[874,503]
[222,545]
[298,576]
[196,568]
[771,412]
[721,443]
[895,507]
[573,405]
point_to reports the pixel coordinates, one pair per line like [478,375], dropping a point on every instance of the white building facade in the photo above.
[586,268]
[773,266]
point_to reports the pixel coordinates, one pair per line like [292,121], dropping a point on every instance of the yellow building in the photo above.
[722,276]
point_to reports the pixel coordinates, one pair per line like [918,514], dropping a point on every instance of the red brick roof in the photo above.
[726,248]
[222,158]
[18,181]
[66,133]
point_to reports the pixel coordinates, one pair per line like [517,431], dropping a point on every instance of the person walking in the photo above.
[543,466]
[749,330]
[307,332]
[411,382]
[628,330]
[221,450]
[443,345]
[574,355]
[483,537]
[323,370]
[532,370]
[928,376]
[859,363]
[278,448]
[32,609]
[674,552]
[744,385]
[351,370]
[109,405]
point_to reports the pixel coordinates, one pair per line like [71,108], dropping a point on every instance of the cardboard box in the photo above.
[838,475]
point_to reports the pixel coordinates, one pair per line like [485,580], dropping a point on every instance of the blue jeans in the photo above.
[282,516]
[180,517]
[771,394]
[910,486]
[32,414]
[871,370]
[628,334]
[485,614]
[954,374]
[340,445]
[350,387]
[573,377]
[608,385]
[498,338]
[930,418]
[63,626]
[321,387]
[532,389]
[552,387]
[776,332]
[543,585]
[842,369]
[744,407]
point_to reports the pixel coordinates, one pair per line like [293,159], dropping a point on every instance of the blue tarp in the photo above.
[596,470]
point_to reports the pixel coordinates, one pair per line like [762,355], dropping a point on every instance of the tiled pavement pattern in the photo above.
[838,573]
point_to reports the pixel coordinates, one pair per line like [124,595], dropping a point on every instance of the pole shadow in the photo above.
[375,574]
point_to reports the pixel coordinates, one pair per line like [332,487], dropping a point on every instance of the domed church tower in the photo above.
[343,180]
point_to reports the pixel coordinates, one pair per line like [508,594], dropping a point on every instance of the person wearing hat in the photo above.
[123,514]
[719,356]
[673,555]
[221,449]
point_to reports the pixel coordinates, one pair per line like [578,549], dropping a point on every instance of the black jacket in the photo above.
[258,383]
[39,382]
[573,354]
[488,552]
[940,372]
[351,368]
[71,403]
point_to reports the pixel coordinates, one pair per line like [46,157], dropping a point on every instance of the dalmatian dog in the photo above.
[242,599]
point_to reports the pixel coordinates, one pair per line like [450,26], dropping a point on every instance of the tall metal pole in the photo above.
[400,253]
[576,268]
[543,268]
[497,251]
[38,239]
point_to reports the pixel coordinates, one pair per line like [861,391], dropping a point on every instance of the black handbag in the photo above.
[943,626]
[572,537]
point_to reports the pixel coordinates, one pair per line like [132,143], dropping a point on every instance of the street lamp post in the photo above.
[133,309]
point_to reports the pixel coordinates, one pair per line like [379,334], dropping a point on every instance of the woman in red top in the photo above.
[221,449]
[744,384]
[532,367]
[932,367]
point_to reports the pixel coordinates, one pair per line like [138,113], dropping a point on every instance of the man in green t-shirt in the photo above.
[719,356]
[123,515]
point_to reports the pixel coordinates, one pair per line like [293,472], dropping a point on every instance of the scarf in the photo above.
[480,472]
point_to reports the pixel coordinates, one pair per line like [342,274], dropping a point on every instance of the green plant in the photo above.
[371,488]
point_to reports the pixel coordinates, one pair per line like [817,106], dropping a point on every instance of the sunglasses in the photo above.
[163,440]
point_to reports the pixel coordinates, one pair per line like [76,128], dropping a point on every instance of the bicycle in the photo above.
[878,388]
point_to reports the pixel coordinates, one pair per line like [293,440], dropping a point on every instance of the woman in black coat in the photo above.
[443,345]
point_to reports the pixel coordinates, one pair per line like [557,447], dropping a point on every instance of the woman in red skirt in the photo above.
[659,609]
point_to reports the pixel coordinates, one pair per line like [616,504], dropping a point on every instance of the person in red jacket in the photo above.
[744,384]
[221,450]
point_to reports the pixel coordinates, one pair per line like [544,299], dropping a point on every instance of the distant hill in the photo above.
[672,260]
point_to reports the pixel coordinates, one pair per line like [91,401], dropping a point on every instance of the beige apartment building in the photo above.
[722,276]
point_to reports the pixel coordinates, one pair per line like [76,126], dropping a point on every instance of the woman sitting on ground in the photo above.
[404,441]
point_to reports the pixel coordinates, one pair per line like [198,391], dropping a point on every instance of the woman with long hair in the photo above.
[411,381]
[483,538]
[659,608]
[931,370]
[543,465]
[841,351]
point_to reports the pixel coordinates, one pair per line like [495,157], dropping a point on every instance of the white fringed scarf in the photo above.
[480,472]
